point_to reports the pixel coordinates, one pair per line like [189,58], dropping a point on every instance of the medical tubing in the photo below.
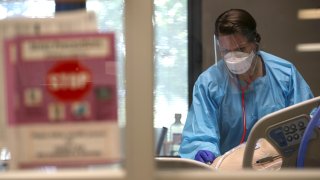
[267,159]
[306,137]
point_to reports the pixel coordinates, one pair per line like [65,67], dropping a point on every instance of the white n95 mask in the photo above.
[238,62]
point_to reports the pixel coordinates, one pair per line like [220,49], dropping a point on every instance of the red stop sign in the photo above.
[69,80]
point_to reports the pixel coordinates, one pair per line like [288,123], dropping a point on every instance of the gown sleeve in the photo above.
[201,131]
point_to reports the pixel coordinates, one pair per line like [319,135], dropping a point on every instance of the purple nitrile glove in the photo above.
[205,156]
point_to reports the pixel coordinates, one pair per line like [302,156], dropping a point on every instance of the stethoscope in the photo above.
[243,106]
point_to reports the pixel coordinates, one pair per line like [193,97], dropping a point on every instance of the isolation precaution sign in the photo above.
[69,80]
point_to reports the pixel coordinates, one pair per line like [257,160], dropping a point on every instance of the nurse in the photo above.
[242,87]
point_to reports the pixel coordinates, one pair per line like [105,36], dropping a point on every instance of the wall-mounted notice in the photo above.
[62,99]
[63,22]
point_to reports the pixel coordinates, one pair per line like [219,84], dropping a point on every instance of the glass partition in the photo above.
[167,55]
[171,60]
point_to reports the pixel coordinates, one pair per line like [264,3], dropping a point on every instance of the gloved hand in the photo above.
[205,156]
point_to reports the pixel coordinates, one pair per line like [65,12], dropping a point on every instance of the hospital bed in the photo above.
[276,141]
[285,130]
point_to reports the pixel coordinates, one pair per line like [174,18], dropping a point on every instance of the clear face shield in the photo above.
[237,53]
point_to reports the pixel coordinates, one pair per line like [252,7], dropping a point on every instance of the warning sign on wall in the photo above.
[60,78]
[62,97]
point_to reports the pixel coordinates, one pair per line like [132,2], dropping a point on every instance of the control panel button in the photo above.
[278,136]
[289,138]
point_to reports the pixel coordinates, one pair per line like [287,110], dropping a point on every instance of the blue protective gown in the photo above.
[214,121]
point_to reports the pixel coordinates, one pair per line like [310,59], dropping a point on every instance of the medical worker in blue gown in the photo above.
[232,95]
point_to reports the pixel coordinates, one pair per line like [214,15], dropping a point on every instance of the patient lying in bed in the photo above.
[265,158]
